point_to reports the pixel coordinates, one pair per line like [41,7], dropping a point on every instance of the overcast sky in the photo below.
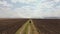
[29,8]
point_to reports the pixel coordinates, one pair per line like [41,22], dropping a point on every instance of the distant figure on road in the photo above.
[29,21]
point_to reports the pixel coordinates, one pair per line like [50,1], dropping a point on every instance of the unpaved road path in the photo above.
[27,28]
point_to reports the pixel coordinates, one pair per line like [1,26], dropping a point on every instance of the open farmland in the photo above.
[47,26]
[10,26]
[44,26]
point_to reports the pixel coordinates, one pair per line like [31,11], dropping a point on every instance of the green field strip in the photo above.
[26,29]
[32,32]
[29,29]
[24,26]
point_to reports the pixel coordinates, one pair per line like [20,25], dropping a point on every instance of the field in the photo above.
[47,26]
[43,26]
[10,26]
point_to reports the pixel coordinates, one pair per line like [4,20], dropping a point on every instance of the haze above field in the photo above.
[29,8]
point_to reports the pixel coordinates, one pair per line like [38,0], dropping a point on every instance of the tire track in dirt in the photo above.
[28,28]
[21,30]
[34,29]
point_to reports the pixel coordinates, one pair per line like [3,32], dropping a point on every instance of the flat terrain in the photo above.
[28,28]
[10,26]
[47,26]
[43,26]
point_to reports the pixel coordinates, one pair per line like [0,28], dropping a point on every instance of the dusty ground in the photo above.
[28,28]
[10,26]
[48,26]
[44,26]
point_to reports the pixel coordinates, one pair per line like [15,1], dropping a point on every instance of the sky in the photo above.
[29,8]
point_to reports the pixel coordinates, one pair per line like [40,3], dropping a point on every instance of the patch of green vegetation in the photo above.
[25,29]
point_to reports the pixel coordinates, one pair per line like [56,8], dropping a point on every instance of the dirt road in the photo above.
[27,28]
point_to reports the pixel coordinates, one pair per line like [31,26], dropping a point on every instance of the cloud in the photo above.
[6,10]
[48,9]
[25,12]
[56,0]
[24,1]
[41,9]
[5,3]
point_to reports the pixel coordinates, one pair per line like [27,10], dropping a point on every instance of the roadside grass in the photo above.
[24,26]
[26,29]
